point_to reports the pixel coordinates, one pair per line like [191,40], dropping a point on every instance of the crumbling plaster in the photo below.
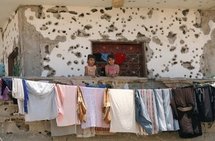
[58,38]
[10,38]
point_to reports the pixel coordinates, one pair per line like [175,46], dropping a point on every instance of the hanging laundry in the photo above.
[171,123]
[81,110]
[185,110]
[6,87]
[18,93]
[93,98]
[41,102]
[149,100]
[106,107]
[141,113]
[122,111]
[164,111]
[4,91]
[67,105]
[205,98]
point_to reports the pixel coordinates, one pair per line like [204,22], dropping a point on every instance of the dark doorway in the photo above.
[133,65]
[12,61]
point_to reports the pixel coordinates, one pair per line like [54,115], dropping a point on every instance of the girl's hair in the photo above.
[91,56]
[110,56]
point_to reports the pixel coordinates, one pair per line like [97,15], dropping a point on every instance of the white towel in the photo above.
[122,111]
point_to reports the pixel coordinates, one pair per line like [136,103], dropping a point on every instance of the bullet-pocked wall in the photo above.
[57,39]
[1,47]
[10,38]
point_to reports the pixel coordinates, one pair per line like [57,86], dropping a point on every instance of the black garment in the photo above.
[184,107]
[205,98]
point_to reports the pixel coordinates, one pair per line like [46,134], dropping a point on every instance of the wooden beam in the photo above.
[117,3]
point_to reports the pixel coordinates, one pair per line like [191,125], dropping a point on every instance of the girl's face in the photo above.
[91,61]
[111,61]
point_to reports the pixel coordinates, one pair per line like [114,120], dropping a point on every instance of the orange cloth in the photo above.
[82,110]
[106,107]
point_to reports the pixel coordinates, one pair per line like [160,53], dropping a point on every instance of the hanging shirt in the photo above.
[205,98]
[141,113]
[185,110]
[41,103]
[164,111]
[93,98]
[67,105]
[149,100]
[18,93]
[122,111]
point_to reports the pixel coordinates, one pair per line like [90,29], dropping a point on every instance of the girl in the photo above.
[111,69]
[90,69]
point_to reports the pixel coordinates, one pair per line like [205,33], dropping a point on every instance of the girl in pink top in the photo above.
[111,69]
[91,69]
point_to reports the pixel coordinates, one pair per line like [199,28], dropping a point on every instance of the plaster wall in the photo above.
[10,38]
[173,38]
[1,47]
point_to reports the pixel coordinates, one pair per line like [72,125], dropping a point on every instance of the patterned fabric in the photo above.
[149,100]
[106,107]
[82,110]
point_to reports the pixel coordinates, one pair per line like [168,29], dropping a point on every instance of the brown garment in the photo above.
[106,107]
[184,108]
[82,110]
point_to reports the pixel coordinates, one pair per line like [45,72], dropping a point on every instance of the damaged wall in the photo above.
[58,38]
[10,38]
[1,47]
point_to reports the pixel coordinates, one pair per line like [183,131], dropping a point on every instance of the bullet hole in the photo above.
[181,41]
[69,63]
[59,55]
[196,35]
[88,27]
[172,48]
[76,62]
[102,11]
[108,8]
[123,10]
[184,49]
[106,17]
[81,15]
[150,13]
[94,10]
[46,59]
[185,12]
[171,37]
[78,54]
[47,49]
[73,12]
